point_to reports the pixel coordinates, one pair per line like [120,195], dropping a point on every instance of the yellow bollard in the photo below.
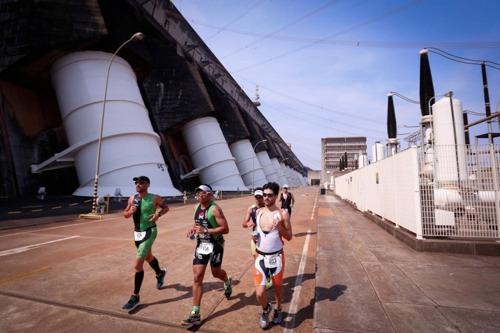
[185,197]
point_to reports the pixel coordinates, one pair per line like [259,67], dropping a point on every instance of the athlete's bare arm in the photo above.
[130,209]
[223,227]
[161,208]
[284,226]
[247,222]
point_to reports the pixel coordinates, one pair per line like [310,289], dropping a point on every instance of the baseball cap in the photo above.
[285,186]
[141,179]
[204,188]
[258,192]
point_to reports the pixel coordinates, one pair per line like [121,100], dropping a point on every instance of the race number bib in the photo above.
[205,248]
[272,261]
[139,235]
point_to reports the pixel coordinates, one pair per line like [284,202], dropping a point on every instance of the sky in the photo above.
[324,67]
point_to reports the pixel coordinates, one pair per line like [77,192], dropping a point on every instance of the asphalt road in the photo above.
[74,275]
[50,206]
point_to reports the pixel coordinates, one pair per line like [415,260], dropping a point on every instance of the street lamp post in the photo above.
[253,162]
[135,37]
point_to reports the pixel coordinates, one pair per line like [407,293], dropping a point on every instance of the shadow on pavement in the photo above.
[207,286]
[305,313]
[302,234]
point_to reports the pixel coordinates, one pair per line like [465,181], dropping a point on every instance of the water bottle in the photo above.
[193,236]
[255,236]
[137,202]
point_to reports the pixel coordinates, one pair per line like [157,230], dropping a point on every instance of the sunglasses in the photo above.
[140,183]
[202,193]
[268,195]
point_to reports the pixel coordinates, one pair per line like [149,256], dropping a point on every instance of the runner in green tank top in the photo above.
[145,208]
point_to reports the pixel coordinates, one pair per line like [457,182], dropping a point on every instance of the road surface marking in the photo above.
[14,212]
[33,246]
[56,207]
[74,204]
[37,210]
[292,310]
[58,227]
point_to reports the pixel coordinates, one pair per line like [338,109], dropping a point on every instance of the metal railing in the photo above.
[460,191]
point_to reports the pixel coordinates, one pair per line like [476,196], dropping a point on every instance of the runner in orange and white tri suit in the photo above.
[273,225]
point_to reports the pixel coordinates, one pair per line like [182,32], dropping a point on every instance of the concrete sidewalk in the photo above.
[368,281]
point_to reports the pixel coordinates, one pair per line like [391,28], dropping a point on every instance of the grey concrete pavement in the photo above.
[368,281]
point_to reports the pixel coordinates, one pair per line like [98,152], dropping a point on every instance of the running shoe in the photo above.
[264,317]
[131,304]
[277,316]
[192,319]
[228,287]
[160,278]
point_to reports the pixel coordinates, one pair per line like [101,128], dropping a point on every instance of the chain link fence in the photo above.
[459,191]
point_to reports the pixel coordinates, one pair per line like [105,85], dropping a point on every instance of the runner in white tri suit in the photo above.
[273,225]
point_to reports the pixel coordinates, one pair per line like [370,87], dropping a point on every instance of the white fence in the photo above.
[447,191]
[388,188]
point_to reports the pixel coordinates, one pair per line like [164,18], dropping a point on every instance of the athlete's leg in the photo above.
[278,281]
[219,273]
[279,295]
[216,263]
[198,274]
[261,295]
[143,251]
[139,275]
[139,264]
[153,262]
[149,257]
[259,281]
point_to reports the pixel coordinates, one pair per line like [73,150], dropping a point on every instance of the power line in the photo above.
[463,60]
[301,18]
[224,28]
[357,117]
[332,120]
[474,113]
[308,120]
[349,29]
[360,43]
[403,97]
